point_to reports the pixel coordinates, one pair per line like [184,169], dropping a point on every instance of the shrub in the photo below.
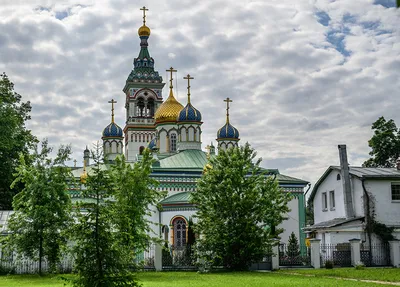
[329,264]
[359,266]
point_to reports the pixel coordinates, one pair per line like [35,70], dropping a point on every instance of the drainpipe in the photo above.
[369,220]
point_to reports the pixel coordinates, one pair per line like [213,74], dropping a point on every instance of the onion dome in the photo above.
[152,144]
[170,109]
[189,114]
[228,132]
[144,31]
[112,130]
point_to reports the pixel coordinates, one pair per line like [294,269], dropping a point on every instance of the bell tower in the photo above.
[143,92]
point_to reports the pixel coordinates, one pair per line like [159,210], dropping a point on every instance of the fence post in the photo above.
[315,253]
[158,257]
[395,253]
[355,248]
[275,254]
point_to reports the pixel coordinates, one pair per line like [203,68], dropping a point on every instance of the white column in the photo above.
[355,247]
[275,255]
[395,253]
[158,257]
[315,253]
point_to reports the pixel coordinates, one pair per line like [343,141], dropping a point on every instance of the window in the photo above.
[179,232]
[332,200]
[395,191]
[338,177]
[173,142]
[324,202]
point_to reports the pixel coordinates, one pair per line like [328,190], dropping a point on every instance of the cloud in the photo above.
[304,76]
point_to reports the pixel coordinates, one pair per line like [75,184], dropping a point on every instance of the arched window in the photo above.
[135,137]
[338,177]
[131,137]
[140,137]
[141,149]
[140,105]
[165,231]
[173,142]
[150,107]
[179,232]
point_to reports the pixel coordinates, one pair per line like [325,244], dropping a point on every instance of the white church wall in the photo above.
[292,223]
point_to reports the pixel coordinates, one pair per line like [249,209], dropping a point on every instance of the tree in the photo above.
[385,144]
[99,259]
[15,139]
[134,193]
[293,246]
[42,208]
[239,207]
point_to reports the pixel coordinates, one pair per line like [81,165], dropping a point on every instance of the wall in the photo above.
[292,223]
[330,183]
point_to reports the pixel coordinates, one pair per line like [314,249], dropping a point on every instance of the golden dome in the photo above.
[144,31]
[169,110]
[83,177]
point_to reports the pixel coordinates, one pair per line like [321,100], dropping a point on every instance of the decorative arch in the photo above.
[179,230]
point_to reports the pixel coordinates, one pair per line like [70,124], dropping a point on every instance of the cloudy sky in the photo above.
[304,75]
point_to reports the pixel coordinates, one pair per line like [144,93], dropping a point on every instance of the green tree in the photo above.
[293,246]
[15,139]
[239,207]
[99,259]
[42,208]
[385,144]
[134,193]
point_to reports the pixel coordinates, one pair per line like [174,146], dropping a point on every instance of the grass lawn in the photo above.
[379,274]
[193,279]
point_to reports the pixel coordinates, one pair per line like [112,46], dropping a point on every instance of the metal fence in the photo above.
[337,254]
[294,255]
[27,266]
[375,254]
[145,259]
[181,258]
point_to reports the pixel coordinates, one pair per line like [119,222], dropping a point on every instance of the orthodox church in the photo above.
[172,132]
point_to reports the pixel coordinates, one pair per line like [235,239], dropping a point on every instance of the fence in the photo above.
[338,254]
[145,259]
[294,255]
[27,266]
[178,258]
[375,254]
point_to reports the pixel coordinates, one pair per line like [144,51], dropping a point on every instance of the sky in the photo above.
[304,75]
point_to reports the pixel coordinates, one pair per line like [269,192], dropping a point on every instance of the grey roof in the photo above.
[361,173]
[332,223]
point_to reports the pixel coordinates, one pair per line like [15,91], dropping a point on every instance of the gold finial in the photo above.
[188,78]
[144,9]
[74,162]
[171,70]
[112,102]
[228,100]
[208,149]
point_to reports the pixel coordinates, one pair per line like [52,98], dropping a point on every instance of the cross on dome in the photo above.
[171,70]
[188,78]
[228,100]
[112,102]
[144,9]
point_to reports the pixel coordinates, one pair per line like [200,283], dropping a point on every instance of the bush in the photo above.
[359,266]
[329,264]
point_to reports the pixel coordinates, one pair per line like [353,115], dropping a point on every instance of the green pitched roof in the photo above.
[187,159]
[182,197]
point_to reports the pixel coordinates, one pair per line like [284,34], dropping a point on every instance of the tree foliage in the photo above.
[42,208]
[15,138]
[385,144]
[99,259]
[134,193]
[293,246]
[239,207]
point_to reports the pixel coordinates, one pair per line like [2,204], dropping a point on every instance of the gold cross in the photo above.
[188,77]
[170,80]
[228,100]
[208,149]
[112,102]
[75,162]
[144,9]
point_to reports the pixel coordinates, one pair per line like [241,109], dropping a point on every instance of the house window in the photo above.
[324,202]
[332,200]
[395,191]
[338,177]
[179,232]
[173,142]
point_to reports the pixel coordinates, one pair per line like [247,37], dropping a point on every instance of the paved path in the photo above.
[344,278]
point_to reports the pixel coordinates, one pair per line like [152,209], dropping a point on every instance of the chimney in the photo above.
[344,170]
[398,164]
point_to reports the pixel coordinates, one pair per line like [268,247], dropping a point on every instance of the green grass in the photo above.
[193,279]
[379,274]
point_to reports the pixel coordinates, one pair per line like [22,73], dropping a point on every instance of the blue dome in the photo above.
[112,130]
[152,144]
[189,114]
[228,132]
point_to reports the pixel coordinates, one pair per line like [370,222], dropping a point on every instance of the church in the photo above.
[172,131]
